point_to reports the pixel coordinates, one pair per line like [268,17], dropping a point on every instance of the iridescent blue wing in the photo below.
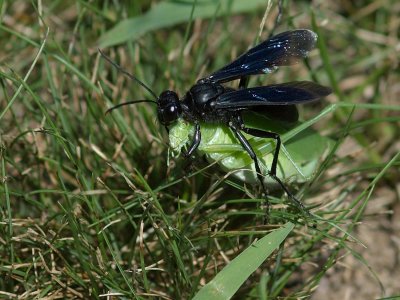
[283,49]
[289,93]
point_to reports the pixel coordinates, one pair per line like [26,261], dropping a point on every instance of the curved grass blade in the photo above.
[169,13]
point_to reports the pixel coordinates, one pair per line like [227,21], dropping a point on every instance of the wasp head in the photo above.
[169,107]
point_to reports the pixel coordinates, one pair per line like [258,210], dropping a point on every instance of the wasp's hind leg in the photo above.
[272,172]
[246,145]
[271,135]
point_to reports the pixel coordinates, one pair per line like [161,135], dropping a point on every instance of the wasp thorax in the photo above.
[169,107]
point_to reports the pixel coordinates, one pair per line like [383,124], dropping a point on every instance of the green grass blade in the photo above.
[170,13]
[229,280]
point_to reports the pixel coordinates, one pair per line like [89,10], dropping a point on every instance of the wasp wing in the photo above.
[289,93]
[287,114]
[283,49]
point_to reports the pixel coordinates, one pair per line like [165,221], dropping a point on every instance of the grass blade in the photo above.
[229,280]
[169,13]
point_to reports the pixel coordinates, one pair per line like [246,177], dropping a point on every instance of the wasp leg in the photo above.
[196,141]
[272,172]
[244,81]
[271,135]
[246,145]
[263,134]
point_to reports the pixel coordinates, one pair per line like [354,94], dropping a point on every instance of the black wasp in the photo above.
[208,101]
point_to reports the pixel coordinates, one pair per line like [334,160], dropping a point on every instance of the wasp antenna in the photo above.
[128,103]
[119,68]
